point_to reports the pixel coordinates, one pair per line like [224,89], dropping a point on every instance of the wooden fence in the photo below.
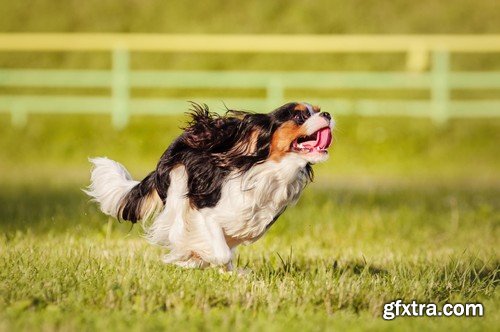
[422,52]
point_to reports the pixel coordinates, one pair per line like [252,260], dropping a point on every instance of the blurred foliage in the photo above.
[261,16]
[287,17]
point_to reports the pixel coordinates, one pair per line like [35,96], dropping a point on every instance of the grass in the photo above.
[403,210]
[330,262]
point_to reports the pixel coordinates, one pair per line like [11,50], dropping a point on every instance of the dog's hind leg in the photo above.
[193,236]
[203,239]
[169,224]
[220,253]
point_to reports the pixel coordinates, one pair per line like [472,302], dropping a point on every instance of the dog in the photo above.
[223,182]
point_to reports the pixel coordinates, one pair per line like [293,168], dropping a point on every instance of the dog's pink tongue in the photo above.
[324,138]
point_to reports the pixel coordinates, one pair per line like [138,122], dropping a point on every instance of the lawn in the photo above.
[402,210]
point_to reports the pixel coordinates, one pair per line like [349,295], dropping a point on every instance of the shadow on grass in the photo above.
[358,268]
[464,274]
[289,265]
[431,199]
[59,208]
[39,210]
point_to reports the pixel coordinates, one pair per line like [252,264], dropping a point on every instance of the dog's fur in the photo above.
[223,182]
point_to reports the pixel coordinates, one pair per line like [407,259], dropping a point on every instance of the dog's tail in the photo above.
[118,195]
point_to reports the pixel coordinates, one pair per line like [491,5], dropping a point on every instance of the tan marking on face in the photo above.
[283,138]
[304,108]
[301,107]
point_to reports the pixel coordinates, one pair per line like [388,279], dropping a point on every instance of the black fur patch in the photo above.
[132,202]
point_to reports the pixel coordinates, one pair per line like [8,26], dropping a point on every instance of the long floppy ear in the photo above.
[237,140]
[208,130]
[251,142]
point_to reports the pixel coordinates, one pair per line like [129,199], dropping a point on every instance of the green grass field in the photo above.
[402,210]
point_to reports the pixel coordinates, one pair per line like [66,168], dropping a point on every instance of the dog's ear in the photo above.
[251,142]
[237,139]
[207,130]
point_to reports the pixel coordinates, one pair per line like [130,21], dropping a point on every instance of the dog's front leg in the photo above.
[229,266]
[219,252]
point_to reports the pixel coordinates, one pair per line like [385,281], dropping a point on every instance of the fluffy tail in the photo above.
[118,195]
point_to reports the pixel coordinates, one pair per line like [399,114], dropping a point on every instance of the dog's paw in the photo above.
[186,263]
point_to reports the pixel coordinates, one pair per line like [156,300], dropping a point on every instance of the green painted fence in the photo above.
[421,50]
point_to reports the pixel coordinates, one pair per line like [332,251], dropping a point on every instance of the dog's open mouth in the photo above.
[318,141]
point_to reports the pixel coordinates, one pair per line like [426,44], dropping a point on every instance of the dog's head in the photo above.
[239,140]
[302,129]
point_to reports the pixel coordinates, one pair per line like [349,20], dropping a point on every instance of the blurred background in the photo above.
[419,110]
[407,207]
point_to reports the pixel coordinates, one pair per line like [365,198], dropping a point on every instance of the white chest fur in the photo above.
[250,202]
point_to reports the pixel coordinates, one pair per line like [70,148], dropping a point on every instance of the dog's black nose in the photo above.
[326,115]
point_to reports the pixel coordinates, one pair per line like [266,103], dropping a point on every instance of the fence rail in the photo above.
[421,51]
[248,43]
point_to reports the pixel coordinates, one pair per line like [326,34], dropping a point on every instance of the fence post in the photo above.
[440,92]
[274,93]
[120,88]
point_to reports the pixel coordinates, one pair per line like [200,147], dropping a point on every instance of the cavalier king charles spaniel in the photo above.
[223,182]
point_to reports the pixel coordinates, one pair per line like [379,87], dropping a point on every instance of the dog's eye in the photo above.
[299,118]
